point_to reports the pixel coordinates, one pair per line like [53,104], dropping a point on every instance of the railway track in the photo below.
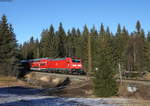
[143,82]
[56,75]
[84,77]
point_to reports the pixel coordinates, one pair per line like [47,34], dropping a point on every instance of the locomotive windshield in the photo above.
[75,60]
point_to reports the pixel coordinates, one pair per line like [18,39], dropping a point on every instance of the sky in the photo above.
[30,17]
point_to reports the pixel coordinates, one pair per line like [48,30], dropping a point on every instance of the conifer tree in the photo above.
[68,44]
[102,30]
[137,50]
[44,43]
[94,45]
[74,37]
[84,47]
[148,37]
[50,43]
[108,31]
[121,41]
[118,30]
[104,82]
[71,43]
[8,49]
[37,49]
[138,27]
[78,42]
[61,41]
[147,53]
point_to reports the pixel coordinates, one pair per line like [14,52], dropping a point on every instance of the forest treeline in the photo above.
[130,50]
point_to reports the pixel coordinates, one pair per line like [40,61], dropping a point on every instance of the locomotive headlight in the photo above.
[79,65]
[74,65]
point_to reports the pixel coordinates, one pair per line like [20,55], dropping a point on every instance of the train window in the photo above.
[42,64]
[58,59]
[75,60]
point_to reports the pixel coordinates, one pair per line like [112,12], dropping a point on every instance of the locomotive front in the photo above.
[76,66]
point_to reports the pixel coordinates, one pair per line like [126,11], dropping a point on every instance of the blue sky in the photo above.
[30,17]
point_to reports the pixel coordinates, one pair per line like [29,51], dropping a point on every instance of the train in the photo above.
[65,65]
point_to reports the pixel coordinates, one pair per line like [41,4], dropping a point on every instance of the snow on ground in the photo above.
[20,96]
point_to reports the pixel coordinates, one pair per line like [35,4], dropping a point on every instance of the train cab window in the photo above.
[75,60]
[42,64]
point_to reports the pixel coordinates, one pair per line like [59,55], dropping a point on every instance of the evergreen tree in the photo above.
[71,43]
[108,31]
[8,49]
[78,42]
[74,37]
[30,49]
[68,44]
[44,43]
[118,30]
[138,27]
[94,46]
[147,52]
[120,45]
[102,30]
[137,53]
[104,81]
[61,41]
[37,49]
[51,43]
[148,37]
[84,47]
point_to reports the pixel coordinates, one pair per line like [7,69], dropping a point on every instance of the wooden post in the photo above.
[89,56]
[120,73]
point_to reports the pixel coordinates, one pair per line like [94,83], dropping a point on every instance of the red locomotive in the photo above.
[58,65]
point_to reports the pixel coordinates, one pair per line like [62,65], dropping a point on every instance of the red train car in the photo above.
[58,65]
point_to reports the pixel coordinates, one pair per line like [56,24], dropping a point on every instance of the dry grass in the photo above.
[142,92]
[147,77]
[7,79]
[12,81]
[76,89]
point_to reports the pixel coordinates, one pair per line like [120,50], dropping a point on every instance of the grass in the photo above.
[7,79]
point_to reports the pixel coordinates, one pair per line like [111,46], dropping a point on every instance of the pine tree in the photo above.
[121,41]
[71,43]
[94,45]
[84,47]
[30,49]
[147,53]
[138,27]
[118,30]
[74,37]
[8,49]
[44,43]
[148,37]
[78,42]
[108,31]
[104,82]
[36,51]
[61,41]
[52,43]
[102,30]
[68,44]
[137,50]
